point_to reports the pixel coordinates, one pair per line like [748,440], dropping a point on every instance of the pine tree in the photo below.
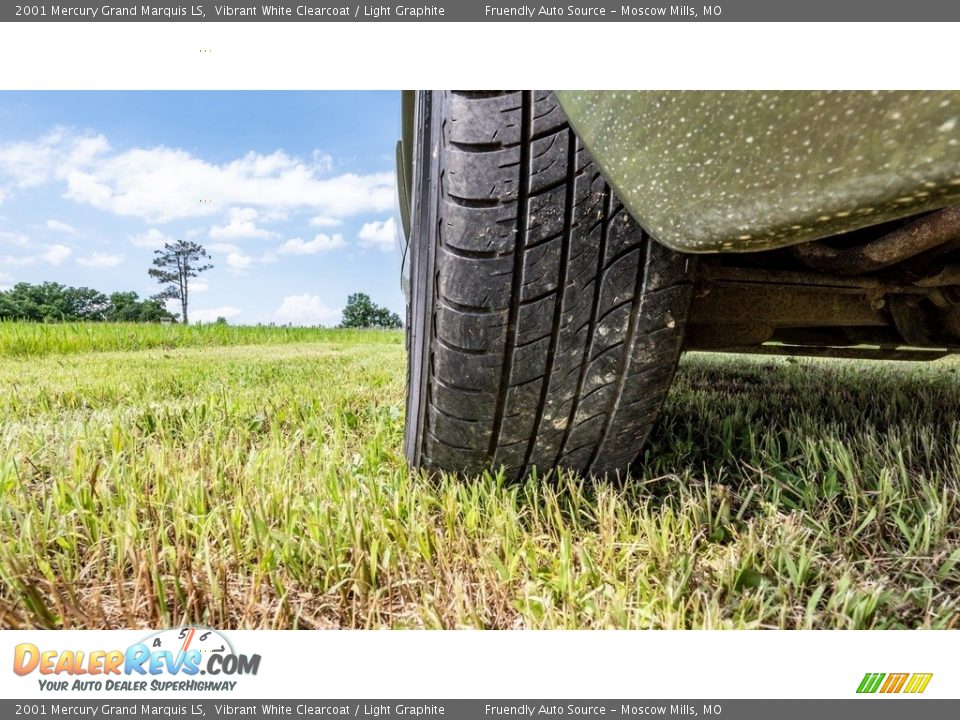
[174,266]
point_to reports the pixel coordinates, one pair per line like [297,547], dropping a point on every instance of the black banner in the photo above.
[479,11]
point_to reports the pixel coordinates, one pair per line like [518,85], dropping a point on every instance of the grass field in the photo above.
[21,340]
[254,478]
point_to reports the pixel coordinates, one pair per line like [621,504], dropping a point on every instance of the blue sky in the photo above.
[292,193]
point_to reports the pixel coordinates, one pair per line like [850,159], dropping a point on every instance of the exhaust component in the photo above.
[916,237]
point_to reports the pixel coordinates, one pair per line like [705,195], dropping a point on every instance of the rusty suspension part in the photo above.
[916,237]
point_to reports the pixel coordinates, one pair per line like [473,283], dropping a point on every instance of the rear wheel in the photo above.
[545,324]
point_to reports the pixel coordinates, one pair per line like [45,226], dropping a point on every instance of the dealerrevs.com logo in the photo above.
[891,683]
[182,659]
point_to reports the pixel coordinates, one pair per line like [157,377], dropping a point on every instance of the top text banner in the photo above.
[482,11]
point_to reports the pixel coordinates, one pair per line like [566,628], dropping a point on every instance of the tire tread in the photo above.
[556,321]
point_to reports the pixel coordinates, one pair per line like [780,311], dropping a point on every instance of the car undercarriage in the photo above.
[890,291]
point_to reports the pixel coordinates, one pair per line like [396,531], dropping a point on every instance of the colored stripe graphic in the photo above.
[894,683]
[918,682]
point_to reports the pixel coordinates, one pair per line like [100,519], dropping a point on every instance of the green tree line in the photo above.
[53,302]
[362,312]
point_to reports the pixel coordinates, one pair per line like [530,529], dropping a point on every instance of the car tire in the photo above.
[545,325]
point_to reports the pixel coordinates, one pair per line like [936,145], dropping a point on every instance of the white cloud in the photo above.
[17,239]
[152,238]
[211,314]
[18,260]
[199,286]
[223,247]
[307,309]
[322,161]
[320,244]
[6,281]
[61,227]
[240,226]
[322,221]
[380,234]
[51,156]
[100,260]
[55,254]
[238,262]
[163,183]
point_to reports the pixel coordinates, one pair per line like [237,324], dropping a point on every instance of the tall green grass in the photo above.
[21,339]
[265,486]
